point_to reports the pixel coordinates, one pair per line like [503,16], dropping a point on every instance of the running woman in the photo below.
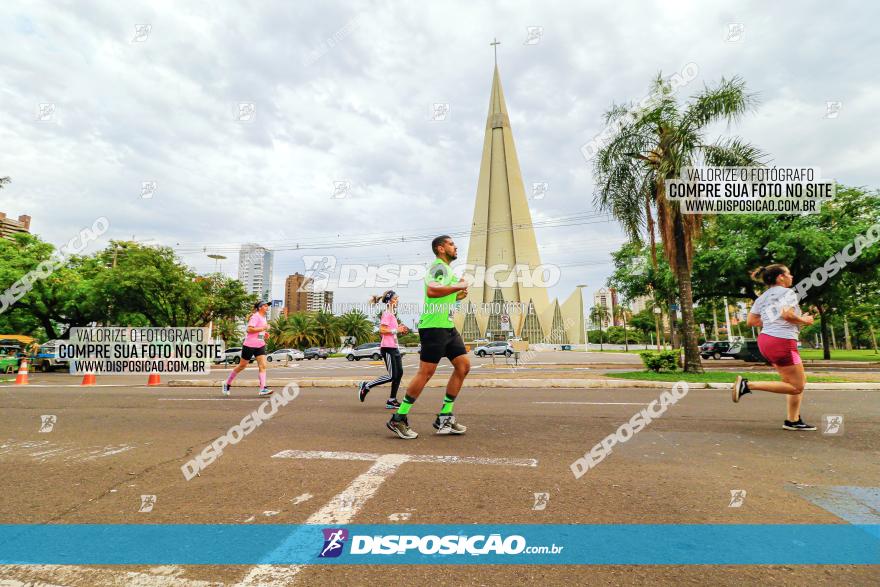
[776,311]
[389,329]
[254,347]
[439,339]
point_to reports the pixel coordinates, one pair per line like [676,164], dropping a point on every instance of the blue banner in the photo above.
[478,544]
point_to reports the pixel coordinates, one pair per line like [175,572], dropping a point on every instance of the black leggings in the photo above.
[394,364]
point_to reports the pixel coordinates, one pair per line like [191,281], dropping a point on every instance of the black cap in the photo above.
[389,295]
[260,304]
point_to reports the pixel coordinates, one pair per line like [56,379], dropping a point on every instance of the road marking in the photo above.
[343,507]
[856,505]
[210,399]
[45,450]
[69,385]
[596,403]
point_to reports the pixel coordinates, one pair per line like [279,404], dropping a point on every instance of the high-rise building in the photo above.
[300,295]
[255,270]
[276,308]
[296,293]
[320,301]
[607,299]
[502,235]
[640,304]
[8,226]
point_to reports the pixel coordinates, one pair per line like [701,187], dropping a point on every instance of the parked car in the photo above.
[285,355]
[746,350]
[46,358]
[232,355]
[494,348]
[714,348]
[368,350]
[315,353]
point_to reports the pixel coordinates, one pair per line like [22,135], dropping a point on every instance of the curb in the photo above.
[516,383]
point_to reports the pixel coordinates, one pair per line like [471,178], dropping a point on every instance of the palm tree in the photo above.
[620,313]
[229,330]
[653,145]
[599,314]
[298,330]
[328,329]
[356,324]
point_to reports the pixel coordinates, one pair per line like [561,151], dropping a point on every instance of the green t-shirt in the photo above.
[438,311]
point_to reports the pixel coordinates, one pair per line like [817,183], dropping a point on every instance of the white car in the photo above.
[494,348]
[368,350]
[285,355]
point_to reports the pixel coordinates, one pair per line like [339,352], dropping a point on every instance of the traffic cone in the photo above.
[88,379]
[153,379]
[22,377]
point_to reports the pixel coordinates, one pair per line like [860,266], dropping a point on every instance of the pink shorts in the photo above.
[781,352]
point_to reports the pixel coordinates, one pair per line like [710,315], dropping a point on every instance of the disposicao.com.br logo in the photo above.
[451,544]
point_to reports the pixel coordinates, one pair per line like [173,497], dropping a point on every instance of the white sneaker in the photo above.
[446,424]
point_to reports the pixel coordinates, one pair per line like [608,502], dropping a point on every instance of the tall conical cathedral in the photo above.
[502,234]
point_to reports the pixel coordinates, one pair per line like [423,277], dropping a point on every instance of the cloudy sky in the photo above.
[97,98]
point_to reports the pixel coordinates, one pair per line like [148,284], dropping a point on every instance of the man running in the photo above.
[439,339]
[389,328]
[254,347]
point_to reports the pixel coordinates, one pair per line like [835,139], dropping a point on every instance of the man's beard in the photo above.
[453,257]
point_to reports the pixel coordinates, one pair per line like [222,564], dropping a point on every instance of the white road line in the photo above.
[596,403]
[210,399]
[342,508]
[66,385]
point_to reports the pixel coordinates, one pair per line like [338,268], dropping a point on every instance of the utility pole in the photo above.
[714,323]
[727,319]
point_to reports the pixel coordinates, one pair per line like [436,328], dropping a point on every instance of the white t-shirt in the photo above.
[769,306]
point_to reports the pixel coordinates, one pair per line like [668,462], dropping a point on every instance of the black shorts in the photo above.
[440,342]
[249,353]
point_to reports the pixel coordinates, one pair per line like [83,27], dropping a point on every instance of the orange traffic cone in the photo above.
[153,379]
[22,377]
[88,379]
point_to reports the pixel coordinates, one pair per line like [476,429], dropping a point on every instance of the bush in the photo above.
[658,361]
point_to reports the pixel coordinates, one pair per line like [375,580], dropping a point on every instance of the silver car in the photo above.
[494,348]
[285,355]
[369,350]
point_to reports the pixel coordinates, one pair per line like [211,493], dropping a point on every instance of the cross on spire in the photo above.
[494,46]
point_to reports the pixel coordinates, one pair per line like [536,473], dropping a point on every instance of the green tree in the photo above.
[732,245]
[298,330]
[644,323]
[328,328]
[53,303]
[653,145]
[356,324]
[599,315]
[230,331]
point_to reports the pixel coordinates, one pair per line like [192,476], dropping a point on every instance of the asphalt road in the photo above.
[108,446]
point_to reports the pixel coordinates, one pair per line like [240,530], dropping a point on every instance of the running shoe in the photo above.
[265,392]
[740,388]
[392,404]
[225,389]
[363,391]
[401,428]
[446,424]
[799,425]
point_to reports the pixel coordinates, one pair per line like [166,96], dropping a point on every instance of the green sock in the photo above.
[448,401]
[404,408]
